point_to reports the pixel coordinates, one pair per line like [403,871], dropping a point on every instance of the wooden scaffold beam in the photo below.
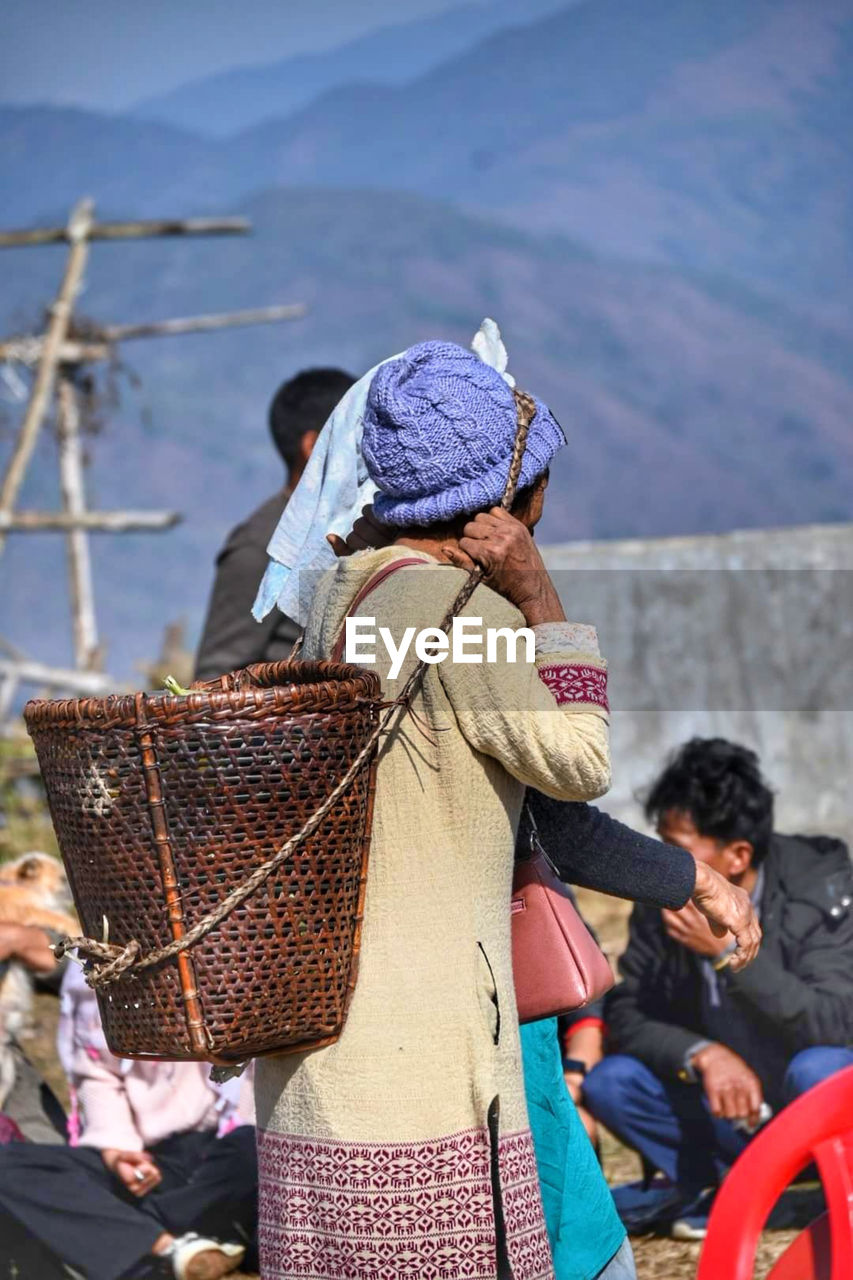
[72,487]
[91,682]
[202,324]
[77,233]
[57,356]
[92,521]
[28,350]
[135,230]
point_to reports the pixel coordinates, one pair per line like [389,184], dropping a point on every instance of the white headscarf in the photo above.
[331,493]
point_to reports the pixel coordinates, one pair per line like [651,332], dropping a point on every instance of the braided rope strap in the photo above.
[109,963]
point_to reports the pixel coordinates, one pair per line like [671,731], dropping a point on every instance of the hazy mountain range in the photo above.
[653,198]
[220,105]
[714,136]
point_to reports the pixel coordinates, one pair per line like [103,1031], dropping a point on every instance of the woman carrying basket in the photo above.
[404,1148]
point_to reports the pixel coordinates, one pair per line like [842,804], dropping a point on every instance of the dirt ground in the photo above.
[657,1258]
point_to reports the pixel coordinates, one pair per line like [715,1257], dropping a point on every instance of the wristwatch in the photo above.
[576,1066]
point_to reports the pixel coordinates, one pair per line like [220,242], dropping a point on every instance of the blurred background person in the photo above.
[588,847]
[231,637]
[29,1109]
[701,1054]
[161,1176]
[35,912]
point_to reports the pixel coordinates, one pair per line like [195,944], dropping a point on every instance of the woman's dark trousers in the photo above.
[67,1200]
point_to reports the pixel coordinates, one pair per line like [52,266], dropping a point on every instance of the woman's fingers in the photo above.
[369,532]
[337,544]
[748,942]
[481,552]
[459,558]
[366,534]
[483,527]
[729,906]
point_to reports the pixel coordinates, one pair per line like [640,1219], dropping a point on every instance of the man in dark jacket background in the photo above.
[231,637]
[701,1055]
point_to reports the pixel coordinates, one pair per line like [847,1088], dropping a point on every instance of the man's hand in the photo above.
[10,936]
[732,1088]
[511,563]
[136,1169]
[585,1043]
[730,914]
[689,927]
[27,943]
[574,1083]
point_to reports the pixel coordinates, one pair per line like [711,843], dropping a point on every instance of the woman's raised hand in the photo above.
[504,548]
[366,534]
[728,909]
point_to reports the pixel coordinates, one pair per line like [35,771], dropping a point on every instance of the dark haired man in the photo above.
[231,638]
[701,1055]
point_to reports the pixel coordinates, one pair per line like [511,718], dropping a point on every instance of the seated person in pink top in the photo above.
[160,1177]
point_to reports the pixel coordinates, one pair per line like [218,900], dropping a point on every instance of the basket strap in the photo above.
[108,963]
[370,586]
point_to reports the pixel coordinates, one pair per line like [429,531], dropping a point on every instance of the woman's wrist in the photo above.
[704,879]
[542,605]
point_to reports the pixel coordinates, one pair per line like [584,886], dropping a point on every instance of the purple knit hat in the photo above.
[439,429]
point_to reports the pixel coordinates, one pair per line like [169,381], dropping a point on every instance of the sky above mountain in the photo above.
[709,137]
[653,197]
[110,53]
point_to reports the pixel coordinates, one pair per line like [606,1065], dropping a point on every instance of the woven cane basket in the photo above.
[163,804]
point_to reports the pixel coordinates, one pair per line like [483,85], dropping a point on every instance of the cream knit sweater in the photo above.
[431,1039]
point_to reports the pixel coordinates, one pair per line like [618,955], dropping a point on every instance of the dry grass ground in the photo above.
[657,1258]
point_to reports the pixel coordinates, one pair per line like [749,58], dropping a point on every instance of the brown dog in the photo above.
[33,891]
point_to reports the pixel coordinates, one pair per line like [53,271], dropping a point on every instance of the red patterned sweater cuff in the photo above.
[576,682]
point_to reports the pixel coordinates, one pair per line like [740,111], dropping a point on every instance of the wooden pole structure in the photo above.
[92,521]
[202,324]
[9,686]
[83,682]
[129,231]
[9,682]
[56,357]
[28,350]
[73,490]
[77,233]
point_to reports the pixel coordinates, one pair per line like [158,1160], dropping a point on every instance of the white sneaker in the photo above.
[196,1257]
[688,1229]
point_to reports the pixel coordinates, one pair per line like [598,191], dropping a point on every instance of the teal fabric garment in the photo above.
[583,1226]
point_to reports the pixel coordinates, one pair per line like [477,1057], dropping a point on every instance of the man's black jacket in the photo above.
[231,638]
[798,993]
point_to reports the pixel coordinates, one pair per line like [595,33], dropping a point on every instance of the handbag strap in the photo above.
[537,848]
[370,586]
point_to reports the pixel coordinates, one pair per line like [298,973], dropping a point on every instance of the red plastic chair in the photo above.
[816,1127]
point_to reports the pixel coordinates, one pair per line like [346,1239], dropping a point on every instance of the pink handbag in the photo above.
[557,963]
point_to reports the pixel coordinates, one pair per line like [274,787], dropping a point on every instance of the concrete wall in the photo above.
[745,635]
